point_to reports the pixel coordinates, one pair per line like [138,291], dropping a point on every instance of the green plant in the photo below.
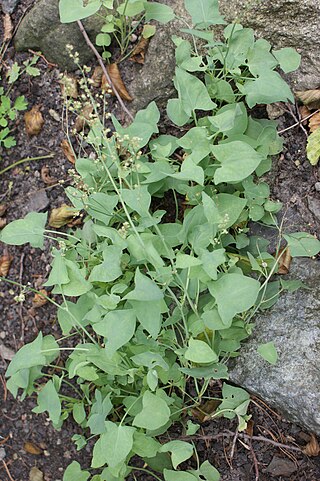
[118,16]
[163,302]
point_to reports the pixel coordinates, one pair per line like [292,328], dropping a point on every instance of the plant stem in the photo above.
[27,159]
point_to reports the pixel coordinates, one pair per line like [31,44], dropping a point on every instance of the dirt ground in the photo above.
[275,456]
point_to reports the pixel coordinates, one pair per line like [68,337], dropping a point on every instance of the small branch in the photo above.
[7,470]
[298,123]
[102,65]
[20,307]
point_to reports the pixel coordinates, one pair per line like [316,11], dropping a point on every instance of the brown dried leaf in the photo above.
[46,177]
[69,86]
[7,27]
[97,76]
[83,117]
[314,122]
[3,209]
[38,299]
[205,410]
[35,474]
[304,112]
[138,53]
[5,263]
[284,261]
[312,448]
[3,223]
[62,216]
[310,98]
[249,428]
[33,120]
[68,152]
[116,80]
[32,448]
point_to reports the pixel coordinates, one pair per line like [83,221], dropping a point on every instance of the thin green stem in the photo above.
[27,159]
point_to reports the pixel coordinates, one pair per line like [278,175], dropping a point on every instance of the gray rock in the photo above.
[293,324]
[42,30]
[8,6]
[314,206]
[285,23]
[35,202]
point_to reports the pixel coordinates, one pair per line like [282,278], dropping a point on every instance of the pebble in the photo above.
[36,202]
[317,186]
[8,6]
[2,453]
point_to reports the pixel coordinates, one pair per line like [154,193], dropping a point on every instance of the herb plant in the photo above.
[150,304]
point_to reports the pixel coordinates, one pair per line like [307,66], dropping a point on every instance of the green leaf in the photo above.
[28,356]
[131,8]
[59,272]
[98,413]
[238,160]
[269,87]
[77,285]
[193,93]
[184,261]
[209,472]
[117,327]
[180,451]
[148,31]
[78,412]
[137,199]
[302,244]
[48,400]
[30,229]
[149,315]
[20,103]
[212,260]
[145,446]
[288,58]
[235,401]
[145,289]
[73,10]
[103,40]
[313,147]
[200,352]
[204,12]
[155,412]
[234,293]
[268,352]
[73,472]
[157,11]
[110,269]
[176,113]
[178,476]
[192,428]
[113,446]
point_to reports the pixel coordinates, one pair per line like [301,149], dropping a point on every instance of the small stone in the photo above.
[2,453]
[317,186]
[8,6]
[281,467]
[54,115]
[6,352]
[35,202]
[314,206]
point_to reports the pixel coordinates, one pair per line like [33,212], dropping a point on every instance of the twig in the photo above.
[255,462]
[20,307]
[234,442]
[39,54]
[5,393]
[7,469]
[102,65]
[299,122]
[27,159]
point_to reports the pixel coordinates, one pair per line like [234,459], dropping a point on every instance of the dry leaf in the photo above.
[304,112]
[38,299]
[46,177]
[310,98]
[314,122]
[62,216]
[69,86]
[5,262]
[275,110]
[3,223]
[35,474]
[7,27]
[313,147]
[32,448]
[116,80]
[312,448]
[97,76]
[138,53]
[249,428]
[68,151]
[284,261]
[83,117]
[3,209]
[33,120]
[203,412]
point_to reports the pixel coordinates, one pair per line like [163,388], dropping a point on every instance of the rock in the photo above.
[42,30]
[34,202]
[6,352]
[317,186]
[2,453]
[8,6]
[153,81]
[285,23]
[292,385]
[281,467]
[314,206]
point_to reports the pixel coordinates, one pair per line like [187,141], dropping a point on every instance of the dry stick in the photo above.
[7,469]
[20,307]
[299,123]
[102,65]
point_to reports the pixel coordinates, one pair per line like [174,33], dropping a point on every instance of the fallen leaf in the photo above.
[284,261]
[114,73]
[249,428]
[3,209]
[83,117]
[3,223]
[68,151]
[38,299]
[35,474]
[32,448]
[148,31]
[46,177]
[69,86]
[312,448]
[304,112]
[97,76]
[314,122]
[7,27]
[5,262]
[6,353]
[313,147]
[33,120]
[138,53]
[205,410]
[62,216]
[310,98]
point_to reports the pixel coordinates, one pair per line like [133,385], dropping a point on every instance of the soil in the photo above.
[22,190]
